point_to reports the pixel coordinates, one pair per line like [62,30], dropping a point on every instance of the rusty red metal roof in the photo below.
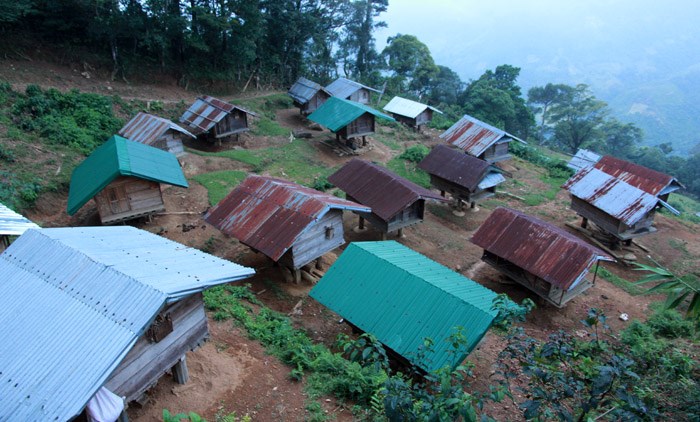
[613,196]
[474,136]
[540,248]
[646,179]
[455,166]
[385,192]
[269,214]
[146,128]
[206,112]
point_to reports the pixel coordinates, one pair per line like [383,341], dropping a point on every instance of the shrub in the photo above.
[415,154]
[670,324]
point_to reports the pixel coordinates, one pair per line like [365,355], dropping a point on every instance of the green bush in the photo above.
[415,154]
[556,168]
[670,324]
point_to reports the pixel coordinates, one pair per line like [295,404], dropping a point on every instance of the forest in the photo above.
[242,44]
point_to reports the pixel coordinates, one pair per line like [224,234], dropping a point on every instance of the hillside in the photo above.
[234,372]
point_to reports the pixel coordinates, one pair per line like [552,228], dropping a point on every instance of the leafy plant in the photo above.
[415,154]
[677,289]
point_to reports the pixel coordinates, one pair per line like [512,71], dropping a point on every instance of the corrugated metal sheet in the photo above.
[540,248]
[648,180]
[269,214]
[380,189]
[336,113]
[206,112]
[146,128]
[491,180]
[613,196]
[344,88]
[402,298]
[304,89]
[73,301]
[406,107]
[583,158]
[14,224]
[457,167]
[474,136]
[121,157]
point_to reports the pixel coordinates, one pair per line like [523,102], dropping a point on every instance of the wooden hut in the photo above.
[616,207]
[348,120]
[395,202]
[124,178]
[156,132]
[466,178]
[350,90]
[480,139]
[289,223]
[93,307]
[411,113]
[549,261]
[211,119]
[402,297]
[650,181]
[308,95]
[12,224]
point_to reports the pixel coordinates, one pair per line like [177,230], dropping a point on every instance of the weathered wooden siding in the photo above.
[405,120]
[128,197]
[559,300]
[610,224]
[147,362]
[425,117]
[363,125]
[235,122]
[315,102]
[495,153]
[312,243]
[361,96]
[171,141]
[408,217]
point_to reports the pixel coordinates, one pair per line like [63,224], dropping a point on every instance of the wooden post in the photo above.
[364,141]
[383,235]
[584,222]
[296,274]
[442,193]
[319,261]
[473,205]
[362,223]
[400,233]
[180,372]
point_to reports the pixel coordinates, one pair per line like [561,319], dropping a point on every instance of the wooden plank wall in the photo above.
[361,96]
[409,216]
[234,122]
[147,362]
[312,243]
[144,197]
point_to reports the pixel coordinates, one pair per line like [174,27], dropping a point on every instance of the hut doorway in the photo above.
[118,199]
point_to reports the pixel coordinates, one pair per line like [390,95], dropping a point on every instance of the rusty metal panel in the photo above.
[540,248]
[146,128]
[474,136]
[648,180]
[385,192]
[457,167]
[206,112]
[611,195]
[269,214]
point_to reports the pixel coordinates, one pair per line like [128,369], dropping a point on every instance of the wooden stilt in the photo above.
[383,235]
[180,372]
[473,205]
[319,263]
[584,222]
[442,193]
[296,273]
[362,223]
[400,234]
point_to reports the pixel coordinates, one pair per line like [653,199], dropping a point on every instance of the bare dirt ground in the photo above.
[233,374]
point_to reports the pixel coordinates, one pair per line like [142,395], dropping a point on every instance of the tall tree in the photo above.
[444,87]
[619,139]
[541,98]
[357,48]
[411,62]
[578,118]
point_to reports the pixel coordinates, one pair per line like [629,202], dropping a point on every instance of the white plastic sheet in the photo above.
[104,406]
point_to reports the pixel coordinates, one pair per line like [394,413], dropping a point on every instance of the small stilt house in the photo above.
[615,206]
[12,224]
[547,260]
[480,139]
[124,178]
[411,113]
[308,95]
[582,159]
[466,178]
[396,203]
[646,179]
[402,297]
[347,119]
[291,224]
[211,119]
[156,132]
[93,307]
[350,90]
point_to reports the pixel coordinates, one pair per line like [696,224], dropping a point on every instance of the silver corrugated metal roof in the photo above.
[491,179]
[304,89]
[13,224]
[206,112]
[74,301]
[613,196]
[344,88]
[406,107]
[474,136]
[583,158]
[147,128]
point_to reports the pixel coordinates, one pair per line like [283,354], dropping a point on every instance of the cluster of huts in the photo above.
[113,308]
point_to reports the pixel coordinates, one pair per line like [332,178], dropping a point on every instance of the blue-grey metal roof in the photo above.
[613,196]
[74,301]
[304,89]
[13,224]
[344,88]
[406,107]
[491,179]
[583,158]
[147,128]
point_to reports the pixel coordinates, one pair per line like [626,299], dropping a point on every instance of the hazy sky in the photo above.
[594,41]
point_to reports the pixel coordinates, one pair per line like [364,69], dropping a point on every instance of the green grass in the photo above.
[620,282]
[267,127]
[410,171]
[686,205]
[536,198]
[219,183]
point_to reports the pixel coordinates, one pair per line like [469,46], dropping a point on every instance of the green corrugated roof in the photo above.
[403,297]
[337,113]
[121,157]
